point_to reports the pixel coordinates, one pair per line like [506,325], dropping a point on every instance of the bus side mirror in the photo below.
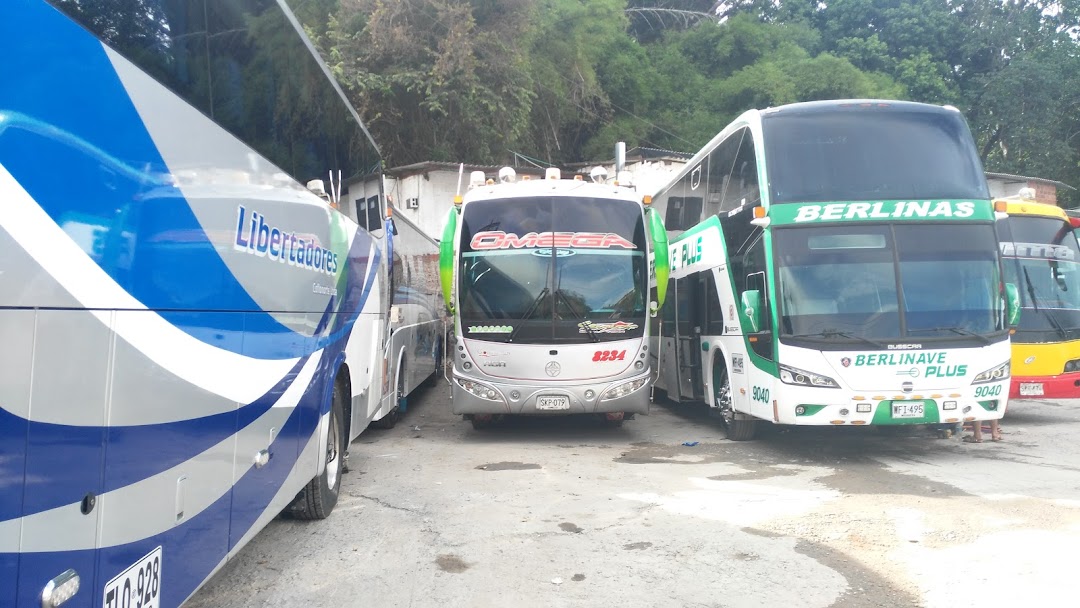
[446,257]
[1012,304]
[751,303]
[661,266]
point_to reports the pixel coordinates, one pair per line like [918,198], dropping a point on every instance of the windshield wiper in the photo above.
[1046,311]
[585,323]
[955,330]
[528,314]
[835,333]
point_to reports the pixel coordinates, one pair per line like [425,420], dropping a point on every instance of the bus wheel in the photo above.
[737,429]
[319,496]
[613,418]
[481,421]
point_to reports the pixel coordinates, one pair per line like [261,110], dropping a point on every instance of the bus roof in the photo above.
[831,105]
[1019,206]
[551,187]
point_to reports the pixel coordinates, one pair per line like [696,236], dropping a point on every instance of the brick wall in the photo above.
[1044,193]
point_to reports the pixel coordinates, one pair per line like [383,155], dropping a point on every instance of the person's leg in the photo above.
[995,430]
[976,432]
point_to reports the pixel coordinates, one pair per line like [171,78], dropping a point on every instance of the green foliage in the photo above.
[563,80]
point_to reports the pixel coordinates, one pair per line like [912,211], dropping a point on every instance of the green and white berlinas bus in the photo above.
[835,263]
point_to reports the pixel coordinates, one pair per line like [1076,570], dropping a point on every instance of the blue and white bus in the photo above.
[191,337]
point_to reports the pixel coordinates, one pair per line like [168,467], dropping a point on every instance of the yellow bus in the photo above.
[1042,257]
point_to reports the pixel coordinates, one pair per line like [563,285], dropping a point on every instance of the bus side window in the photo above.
[673,217]
[754,278]
[722,195]
[714,308]
[684,210]
[744,176]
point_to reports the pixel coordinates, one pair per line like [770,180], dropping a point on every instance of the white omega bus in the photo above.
[835,263]
[549,282]
[192,337]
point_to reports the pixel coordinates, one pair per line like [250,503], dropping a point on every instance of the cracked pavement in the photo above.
[574,512]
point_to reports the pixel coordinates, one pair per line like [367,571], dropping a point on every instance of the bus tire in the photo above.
[320,495]
[738,429]
[613,419]
[481,422]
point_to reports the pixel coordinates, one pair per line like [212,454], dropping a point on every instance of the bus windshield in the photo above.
[862,154]
[887,282]
[552,269]
[1042,258]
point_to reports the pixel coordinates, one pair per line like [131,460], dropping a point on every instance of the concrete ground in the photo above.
[574,512]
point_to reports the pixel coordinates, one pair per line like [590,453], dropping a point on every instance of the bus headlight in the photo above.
[479,389]
[798,377]
[1000,372]
[1072,366]
[623,389]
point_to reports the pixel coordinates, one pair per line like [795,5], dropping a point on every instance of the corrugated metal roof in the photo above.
[435,165]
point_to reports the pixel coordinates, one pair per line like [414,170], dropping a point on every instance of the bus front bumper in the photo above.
[947,408]
[1063,386]
[484,397]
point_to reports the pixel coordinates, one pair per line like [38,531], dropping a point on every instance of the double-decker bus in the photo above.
[549,283]
[1041,256]
[835,263]
[192,337]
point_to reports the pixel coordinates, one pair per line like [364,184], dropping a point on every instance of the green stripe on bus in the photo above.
[858,211]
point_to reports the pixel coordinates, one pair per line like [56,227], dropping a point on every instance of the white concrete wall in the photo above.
[435,193]
[435,190]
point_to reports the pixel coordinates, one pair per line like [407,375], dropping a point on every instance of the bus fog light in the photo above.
[479,389]
[624,389]
[863,408]
[590,394]
[515,395]
[800,410]
[844,411]
[949,405]
[967,408]
[466,366]
[639,364]
[60,589]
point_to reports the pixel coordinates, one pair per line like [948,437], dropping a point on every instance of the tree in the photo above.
[429,81]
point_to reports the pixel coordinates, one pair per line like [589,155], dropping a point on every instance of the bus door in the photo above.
[688,325]
[56,403]
[664,344]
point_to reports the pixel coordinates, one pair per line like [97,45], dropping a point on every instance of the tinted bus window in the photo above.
[242,64]
[848,154]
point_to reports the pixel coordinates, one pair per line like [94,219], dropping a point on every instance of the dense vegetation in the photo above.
[562,80]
